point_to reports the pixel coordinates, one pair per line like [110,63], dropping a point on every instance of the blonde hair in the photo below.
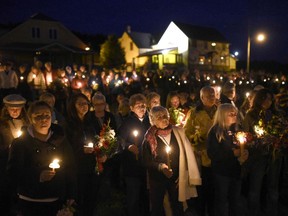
[219,119]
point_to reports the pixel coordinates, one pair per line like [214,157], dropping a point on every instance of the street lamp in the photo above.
[260,37]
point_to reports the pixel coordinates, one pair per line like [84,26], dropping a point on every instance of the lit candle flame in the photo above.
[168,149]
[21,78]
[135,133]
[90,145]
[55,164]
[259,130]
[34,76]
[241,137]
[79,84]
[19,133]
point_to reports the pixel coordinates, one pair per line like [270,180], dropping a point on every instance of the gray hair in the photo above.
[157,111]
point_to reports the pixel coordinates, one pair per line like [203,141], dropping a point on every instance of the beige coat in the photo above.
[189,175]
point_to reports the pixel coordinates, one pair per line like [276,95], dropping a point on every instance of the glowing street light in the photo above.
[260,38]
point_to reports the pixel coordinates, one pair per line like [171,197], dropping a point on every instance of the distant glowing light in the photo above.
[261,37]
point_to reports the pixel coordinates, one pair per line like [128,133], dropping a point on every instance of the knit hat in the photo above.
[14,100]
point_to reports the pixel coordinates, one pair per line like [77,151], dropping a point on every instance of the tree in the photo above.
[112,55]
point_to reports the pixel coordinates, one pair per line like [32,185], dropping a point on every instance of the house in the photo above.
[196,47]
[135,44]
[42,38]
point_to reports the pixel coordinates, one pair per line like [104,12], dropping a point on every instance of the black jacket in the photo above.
[223,161]
[30,156]
[131,166]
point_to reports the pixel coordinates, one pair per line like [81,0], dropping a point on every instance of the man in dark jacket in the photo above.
[131,135]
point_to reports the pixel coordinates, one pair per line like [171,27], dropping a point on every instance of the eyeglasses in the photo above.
[232,114]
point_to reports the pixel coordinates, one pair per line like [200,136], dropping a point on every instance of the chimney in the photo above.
[129,29]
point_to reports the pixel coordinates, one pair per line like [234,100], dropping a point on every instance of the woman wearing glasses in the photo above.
[81,136]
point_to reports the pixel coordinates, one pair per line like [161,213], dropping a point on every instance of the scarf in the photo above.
[151,134]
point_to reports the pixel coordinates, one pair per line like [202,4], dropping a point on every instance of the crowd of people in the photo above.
[177,146]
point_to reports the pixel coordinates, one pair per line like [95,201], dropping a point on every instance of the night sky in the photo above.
[231,17]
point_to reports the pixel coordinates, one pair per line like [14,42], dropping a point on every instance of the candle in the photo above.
[21,78]
[90,145]
[168,150]
[241,137]
[54,165]
[79,84]
[19,133]
[34,76]
[135,134]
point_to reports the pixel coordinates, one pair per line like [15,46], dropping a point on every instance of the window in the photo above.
[206,45]
[223,47]
[131,46]
[155,59]
[201,60]
[52,33]
[194,43]
[35,32]
[179,58]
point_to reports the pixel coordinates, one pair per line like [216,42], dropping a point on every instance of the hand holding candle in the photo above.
[89,148]
[241,138]
[135,134]
[168,150]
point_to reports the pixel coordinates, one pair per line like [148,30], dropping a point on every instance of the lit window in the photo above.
[155,59]
[201,60]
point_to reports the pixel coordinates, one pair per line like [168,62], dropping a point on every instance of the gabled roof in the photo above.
[40,47]
[142,40]
[40,16]
[201,33]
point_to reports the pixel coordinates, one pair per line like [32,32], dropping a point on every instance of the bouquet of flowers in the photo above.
[106,145]
[177,116]
[272,133]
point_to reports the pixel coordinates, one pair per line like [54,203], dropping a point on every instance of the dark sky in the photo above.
[233,18]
